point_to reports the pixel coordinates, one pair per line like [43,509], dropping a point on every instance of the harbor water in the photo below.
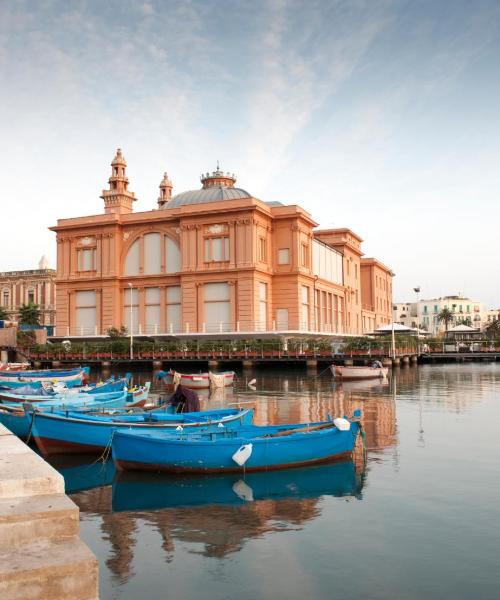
[419,518]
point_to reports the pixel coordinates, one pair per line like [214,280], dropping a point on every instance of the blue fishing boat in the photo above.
[70,377]
[146,491]
[65,433]
[17,416]
[252,449]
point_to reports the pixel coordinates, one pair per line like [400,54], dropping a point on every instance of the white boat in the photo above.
[358,372]
[199,381]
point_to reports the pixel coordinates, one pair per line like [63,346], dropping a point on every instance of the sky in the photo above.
[378,115]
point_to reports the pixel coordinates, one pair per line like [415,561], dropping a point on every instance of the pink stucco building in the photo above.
[212,260]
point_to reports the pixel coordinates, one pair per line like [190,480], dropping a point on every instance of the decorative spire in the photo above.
[218,179]
[118,199]
[165,191]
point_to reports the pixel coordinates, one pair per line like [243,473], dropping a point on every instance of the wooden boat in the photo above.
[71,378]
[65,433]
[344,373]
[17,417]
[58,391]
[197,381]
[14,366]
[151,491]
[253,449]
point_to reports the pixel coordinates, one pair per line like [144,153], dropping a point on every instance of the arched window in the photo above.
[155,245]
[133,259]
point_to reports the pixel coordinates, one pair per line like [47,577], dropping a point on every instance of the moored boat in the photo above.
[340,372]
[70,377]
[17,416]
[61,433]
[198,381]
[254,449]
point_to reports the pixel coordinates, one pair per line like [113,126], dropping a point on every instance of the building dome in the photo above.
[217,186]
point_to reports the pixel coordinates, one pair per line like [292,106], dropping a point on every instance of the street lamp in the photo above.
[131,325]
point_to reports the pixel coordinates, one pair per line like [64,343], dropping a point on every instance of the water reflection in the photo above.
[218,514]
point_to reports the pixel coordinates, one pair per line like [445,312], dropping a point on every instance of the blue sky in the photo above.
[381,116]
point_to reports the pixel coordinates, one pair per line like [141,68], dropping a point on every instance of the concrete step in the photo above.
[49,571]
[37,518]
[23,472]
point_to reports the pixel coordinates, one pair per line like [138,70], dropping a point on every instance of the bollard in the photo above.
[348,362]
[213,364]
[157,364]
[396,362]
[311,363]
[247,364]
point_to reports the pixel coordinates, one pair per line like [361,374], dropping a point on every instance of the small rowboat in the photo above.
[71,377]
[358,372]
[253,449]
[61,433]
[17,417]
[197,381]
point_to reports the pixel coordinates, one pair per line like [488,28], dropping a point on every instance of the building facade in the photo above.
[36,286]
[424,313]
[212,260]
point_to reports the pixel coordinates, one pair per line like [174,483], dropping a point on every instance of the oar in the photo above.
[300,430]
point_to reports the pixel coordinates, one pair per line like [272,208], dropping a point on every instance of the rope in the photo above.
[31,426]
[104,457]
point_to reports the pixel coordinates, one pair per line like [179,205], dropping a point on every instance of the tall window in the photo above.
[173,320]
[86,314]
[86,259]
[284,256]
[152,310]
[262,306]
[31,297]
[152,253]
[262,249]
[217,306]
[304,255]
[282,319]
[304,324]
[6,298]
[216,249]
[131,309]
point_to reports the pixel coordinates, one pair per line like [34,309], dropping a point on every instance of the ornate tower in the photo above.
[165,191]
[218,179]
[118,199]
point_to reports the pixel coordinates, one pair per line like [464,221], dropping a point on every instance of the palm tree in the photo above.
[29,314]
[493,329]
[446,317]
[3,314]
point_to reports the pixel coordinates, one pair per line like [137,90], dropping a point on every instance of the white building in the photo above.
[424,313]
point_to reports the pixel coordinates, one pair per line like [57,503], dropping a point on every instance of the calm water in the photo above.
[420,520]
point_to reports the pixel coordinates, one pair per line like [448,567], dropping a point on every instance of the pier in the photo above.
[41,554]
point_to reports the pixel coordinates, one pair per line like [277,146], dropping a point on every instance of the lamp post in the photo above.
[131,325]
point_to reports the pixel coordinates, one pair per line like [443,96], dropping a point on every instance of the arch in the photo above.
[152,253]
[132,261]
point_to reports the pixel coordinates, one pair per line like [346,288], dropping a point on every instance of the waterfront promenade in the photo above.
[41,554]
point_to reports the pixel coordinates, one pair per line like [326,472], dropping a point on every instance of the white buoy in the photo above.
[342,424]
[220,425]
[179,428]
[243,453]
[252,382]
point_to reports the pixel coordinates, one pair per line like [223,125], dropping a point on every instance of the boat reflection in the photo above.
[142,491]
[80,475]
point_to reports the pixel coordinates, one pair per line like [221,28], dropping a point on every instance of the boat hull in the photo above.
[199,381]
[73,434]
[355,373]
[176,455]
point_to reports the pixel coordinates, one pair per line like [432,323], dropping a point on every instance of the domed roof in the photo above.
[211,194]
[217,186]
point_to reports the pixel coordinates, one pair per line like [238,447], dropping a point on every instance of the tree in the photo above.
[446,317]
[465,321]
[3,314]
[493,329]
[29,314]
